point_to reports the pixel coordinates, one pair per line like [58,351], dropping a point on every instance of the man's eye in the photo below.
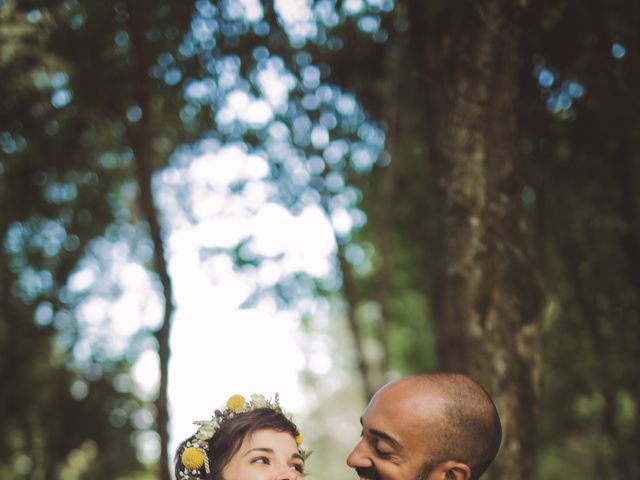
[382,453]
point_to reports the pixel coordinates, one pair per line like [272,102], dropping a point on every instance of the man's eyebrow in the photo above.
[385,436]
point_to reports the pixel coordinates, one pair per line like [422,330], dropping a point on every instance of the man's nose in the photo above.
[358,457]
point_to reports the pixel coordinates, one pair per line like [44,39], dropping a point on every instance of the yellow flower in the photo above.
[193,458]
[236,403]
[299,439]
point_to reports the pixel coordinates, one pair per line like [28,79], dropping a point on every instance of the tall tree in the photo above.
[53,207]
[93,119]
[490,305]
[492,115]
[461,76]
[141,138]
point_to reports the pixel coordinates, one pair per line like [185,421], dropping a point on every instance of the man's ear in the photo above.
[451,470]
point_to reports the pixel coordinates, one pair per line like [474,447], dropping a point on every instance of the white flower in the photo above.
[206,430]
[258,401]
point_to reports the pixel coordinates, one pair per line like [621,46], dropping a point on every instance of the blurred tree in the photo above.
[458,148]
[489,301]
[128,90]
[580,174]
[454,70]
[481,203]
[67,166]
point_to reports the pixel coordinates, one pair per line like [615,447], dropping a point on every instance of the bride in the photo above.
[244,440]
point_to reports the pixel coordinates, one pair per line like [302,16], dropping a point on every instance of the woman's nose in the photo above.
[287,472]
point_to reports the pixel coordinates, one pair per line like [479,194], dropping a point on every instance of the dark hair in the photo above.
[229,437]
[471,431]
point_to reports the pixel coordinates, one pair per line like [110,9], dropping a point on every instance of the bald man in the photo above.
[427,427]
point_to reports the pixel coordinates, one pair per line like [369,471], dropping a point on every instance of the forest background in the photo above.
[476,163]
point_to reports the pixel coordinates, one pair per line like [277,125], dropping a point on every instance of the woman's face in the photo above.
[266,455]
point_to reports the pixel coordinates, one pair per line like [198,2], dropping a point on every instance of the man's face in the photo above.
[399,435]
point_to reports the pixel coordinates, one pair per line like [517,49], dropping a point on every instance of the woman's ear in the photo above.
[451,470]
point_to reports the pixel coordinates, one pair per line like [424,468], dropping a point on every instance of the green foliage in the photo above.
[578,129]
[65,172]
[354,135]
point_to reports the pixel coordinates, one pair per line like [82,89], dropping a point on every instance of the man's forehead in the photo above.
[413,394]
[401,408]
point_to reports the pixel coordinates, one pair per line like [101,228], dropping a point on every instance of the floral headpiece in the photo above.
[195,454]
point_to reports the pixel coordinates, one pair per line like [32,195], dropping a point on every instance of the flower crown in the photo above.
[195,454]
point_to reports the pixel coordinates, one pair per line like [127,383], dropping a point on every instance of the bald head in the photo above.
[459,409]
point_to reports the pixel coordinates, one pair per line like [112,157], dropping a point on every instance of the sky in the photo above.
[218,347]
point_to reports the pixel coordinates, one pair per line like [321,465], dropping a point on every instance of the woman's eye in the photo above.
[298,467]
[261,460]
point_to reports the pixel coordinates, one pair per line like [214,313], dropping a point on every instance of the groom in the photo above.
[437,426]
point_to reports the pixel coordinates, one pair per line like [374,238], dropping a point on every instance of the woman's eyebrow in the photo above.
[296,455]
[259,449]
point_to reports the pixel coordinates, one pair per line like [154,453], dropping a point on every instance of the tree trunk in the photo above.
[386,178]
[351,300]
[491,301]
[604,380]
[141,140]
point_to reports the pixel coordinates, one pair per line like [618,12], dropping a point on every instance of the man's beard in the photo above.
[426,470]
[371,473]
